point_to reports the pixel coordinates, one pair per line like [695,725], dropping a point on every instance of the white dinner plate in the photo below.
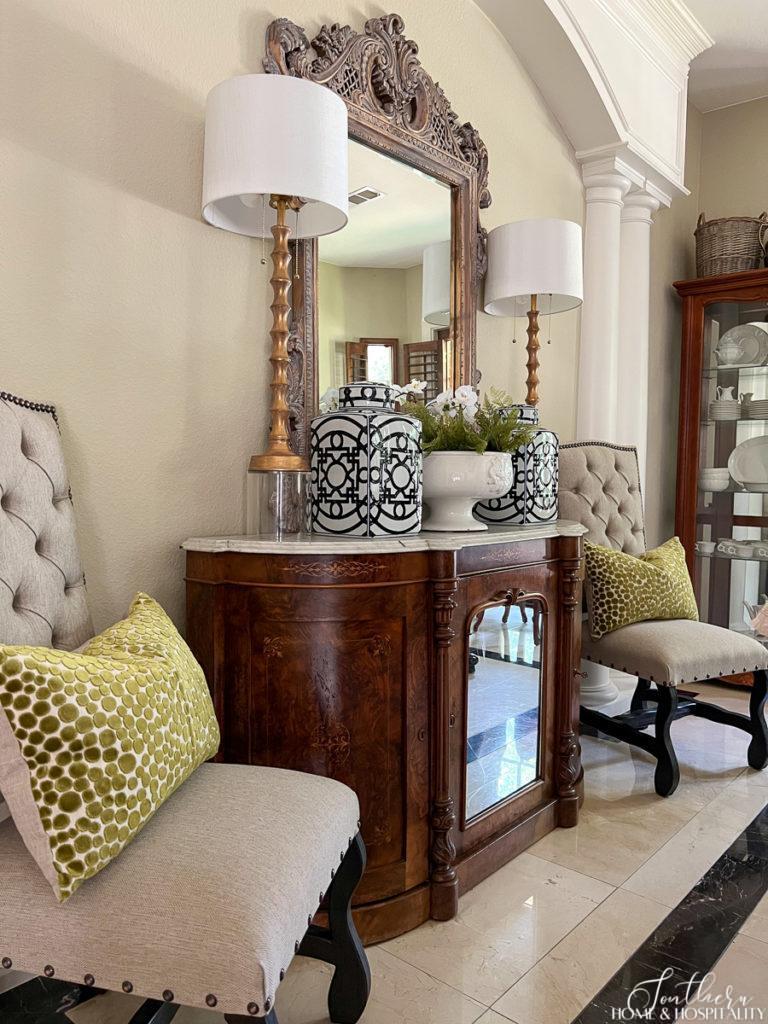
[753,339]
[748,463]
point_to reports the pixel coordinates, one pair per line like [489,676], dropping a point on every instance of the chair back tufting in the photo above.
[42,589]
[600,488]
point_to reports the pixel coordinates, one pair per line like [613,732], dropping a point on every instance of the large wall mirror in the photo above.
[394,294]
[384,282]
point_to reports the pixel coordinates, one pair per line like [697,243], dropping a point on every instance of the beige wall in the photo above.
[734,161]
[148,328]
[358,302]
[672,259]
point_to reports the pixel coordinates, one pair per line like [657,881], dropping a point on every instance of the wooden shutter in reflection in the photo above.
[424,361]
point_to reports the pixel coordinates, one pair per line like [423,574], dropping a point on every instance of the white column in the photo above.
[597,409]
[596,415]
[634,308]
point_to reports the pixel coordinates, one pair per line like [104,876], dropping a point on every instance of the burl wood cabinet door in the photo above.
[334,682]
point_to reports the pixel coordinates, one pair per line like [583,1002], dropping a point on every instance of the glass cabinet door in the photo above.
[731,550]
[503,703]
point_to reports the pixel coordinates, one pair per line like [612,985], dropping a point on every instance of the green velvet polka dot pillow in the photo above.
[91,744]
[622,589]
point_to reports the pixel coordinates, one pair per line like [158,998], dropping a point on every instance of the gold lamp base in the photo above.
[279,455]
[532,381]
[269,462]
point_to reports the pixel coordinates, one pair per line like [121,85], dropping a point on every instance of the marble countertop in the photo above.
[323,544]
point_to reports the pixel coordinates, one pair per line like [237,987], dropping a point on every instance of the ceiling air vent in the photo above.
[364,195]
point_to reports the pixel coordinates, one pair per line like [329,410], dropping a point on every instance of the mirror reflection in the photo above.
[503,703]
[383,285]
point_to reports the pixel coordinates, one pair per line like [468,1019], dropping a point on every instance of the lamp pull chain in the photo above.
[514,328]
[296,235]
[549,320]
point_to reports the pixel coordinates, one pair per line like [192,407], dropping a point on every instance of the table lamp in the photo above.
[436,284]
[275,162]
[528,259]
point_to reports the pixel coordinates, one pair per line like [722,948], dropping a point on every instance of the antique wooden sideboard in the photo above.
[434,674]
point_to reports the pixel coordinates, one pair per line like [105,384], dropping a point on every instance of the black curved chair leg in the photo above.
[757,754]
[667,775]
[340,944]
[271,1018]
[153,1011]
[639,702]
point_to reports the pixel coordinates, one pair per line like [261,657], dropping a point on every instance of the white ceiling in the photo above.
[735,69]
[392,231]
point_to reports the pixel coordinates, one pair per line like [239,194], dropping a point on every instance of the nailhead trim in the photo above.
[211,1000]
[48,971]
[253,1009]
[7,963]
[268,1005]
[282,973]
[34,406]
[296,946]
[168,996]
[127,987]
[89,980]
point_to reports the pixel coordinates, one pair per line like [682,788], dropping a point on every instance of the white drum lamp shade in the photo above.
[436,284]
[534,257]
[274,134]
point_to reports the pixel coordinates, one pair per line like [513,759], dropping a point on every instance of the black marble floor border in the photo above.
[691,939]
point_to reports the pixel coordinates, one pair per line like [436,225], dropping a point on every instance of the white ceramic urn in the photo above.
[455,481]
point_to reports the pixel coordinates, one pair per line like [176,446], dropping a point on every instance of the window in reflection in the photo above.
[503,705]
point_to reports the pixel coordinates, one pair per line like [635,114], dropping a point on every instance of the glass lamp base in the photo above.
[276,503]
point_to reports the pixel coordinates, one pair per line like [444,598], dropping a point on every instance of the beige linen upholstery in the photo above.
[676,651]
[42,591]
[209,899]
[600,488]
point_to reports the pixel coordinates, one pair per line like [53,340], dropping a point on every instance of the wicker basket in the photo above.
[730,244]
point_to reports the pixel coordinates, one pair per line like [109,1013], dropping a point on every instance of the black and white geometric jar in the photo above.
[526,414]
[533,497]
[365,462]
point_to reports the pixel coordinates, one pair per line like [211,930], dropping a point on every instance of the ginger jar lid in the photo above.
[367,394]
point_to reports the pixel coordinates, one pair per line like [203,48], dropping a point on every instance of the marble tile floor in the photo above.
[537,942]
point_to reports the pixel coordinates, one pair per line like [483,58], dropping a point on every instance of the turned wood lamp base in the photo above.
[279,455]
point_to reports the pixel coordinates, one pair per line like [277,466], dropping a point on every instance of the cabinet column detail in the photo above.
[444,881]
[568,769]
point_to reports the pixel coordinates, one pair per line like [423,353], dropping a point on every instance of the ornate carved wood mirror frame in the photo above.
[396,107]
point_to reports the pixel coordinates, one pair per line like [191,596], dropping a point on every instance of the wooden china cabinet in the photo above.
[434,674]
[722,518]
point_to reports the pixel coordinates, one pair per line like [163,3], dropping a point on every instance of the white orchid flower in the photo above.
[467,396]
[416,387]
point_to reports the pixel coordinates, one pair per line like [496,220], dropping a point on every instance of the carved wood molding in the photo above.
[378,72]
[345,569]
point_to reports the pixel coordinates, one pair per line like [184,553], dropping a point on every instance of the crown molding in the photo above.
[673,27]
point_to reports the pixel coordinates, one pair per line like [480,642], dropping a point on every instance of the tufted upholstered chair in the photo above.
[210,902]
[600,488]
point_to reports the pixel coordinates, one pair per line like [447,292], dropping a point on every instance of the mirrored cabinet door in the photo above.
[503,714]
